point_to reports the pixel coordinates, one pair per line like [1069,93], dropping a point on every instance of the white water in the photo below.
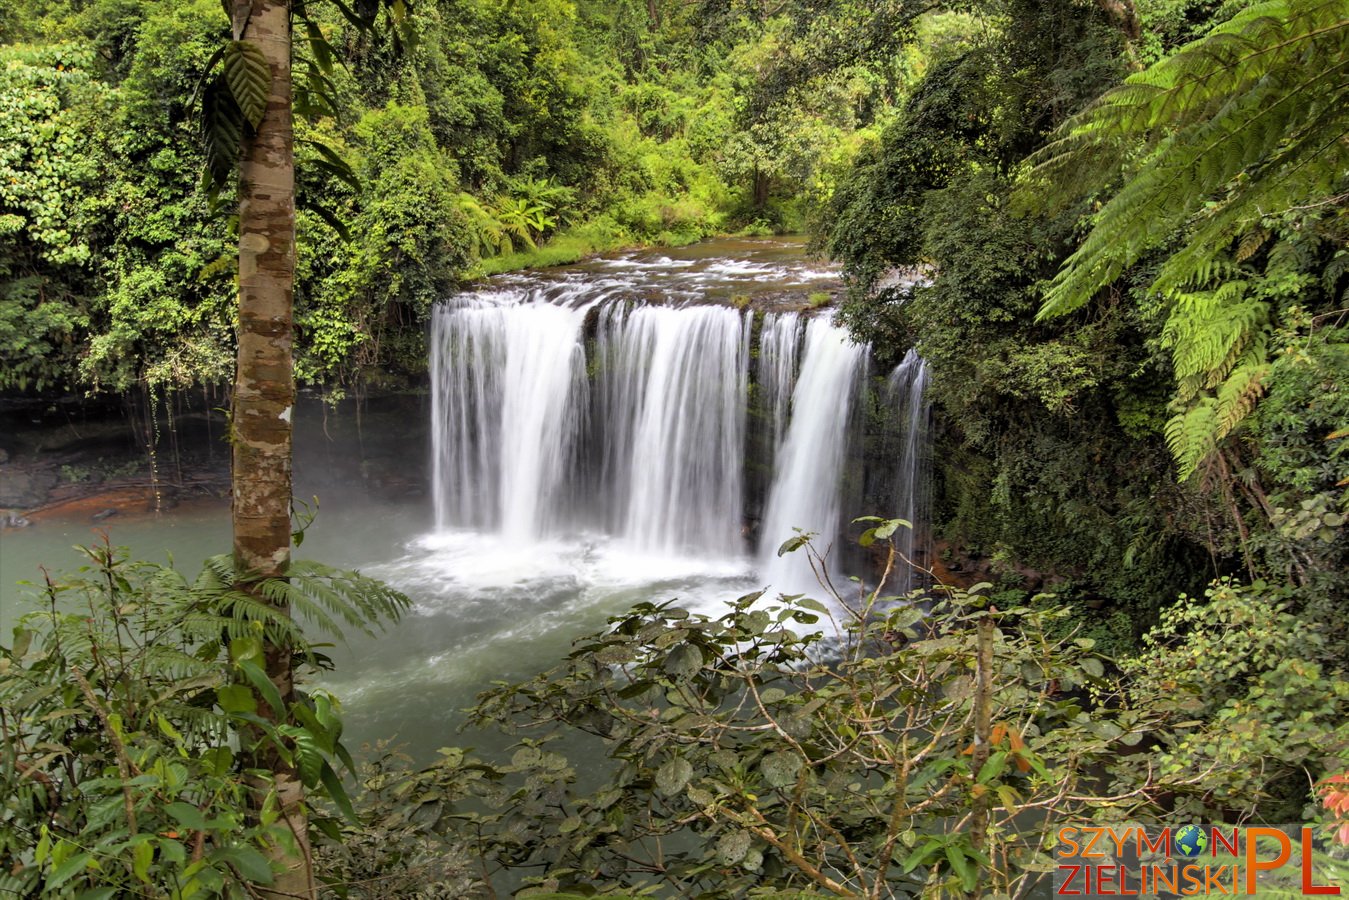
[805,491]
[509,390]
[640,451]
[673,417]
[907,387]
[778,343]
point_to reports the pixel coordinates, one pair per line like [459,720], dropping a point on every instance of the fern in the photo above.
[1244,123]
[1262,96]
[1237,397]
[1190,435]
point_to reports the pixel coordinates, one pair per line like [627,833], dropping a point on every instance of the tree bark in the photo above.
[264,392]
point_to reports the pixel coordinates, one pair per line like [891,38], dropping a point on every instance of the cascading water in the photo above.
[571,413]
[778,342]
[907,387]
[805,491]
[673,392]
[509,390]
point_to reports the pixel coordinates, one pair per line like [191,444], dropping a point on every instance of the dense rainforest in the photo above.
[1115,232]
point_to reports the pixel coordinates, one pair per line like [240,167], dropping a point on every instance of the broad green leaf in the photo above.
[263,685]
[671,777]
[141,859]
[332,786]
[684,661]
[994,767]
[68,870]
[251,864]
[780,769]
[187,815]
[249,78]
[732,847]
[961,866]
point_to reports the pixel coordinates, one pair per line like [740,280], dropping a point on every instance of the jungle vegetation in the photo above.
[1130,220]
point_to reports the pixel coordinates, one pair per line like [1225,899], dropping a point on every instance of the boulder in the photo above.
[25,489]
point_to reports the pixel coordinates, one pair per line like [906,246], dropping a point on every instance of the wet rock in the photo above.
[103,514]
[12,518]
[25,489]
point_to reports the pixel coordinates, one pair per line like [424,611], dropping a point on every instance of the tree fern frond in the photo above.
[1253,97]
[320,592]
[1237,397]
[1190,435]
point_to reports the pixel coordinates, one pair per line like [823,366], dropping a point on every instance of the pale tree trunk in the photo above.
[264,390]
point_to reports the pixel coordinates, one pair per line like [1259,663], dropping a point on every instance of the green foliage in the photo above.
[48,161]
[467,139]
[130,707]
[1257,94]
[390,852]
[752,755]
[1258,700]
[1224,143]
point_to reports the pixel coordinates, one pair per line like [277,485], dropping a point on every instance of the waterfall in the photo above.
[578,409]
[673,390]
[778,341]
[907,387]
[805,491]
[508,397]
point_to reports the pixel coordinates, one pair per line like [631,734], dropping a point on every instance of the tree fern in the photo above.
[1263,97]
[1243,125]
[1191,435]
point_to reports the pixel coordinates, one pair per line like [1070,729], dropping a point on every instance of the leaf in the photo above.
[308,757]
[994,767]
[23,639]
[961,866]
[793,544]
[319,46]
[141,858]
[68,870]
[249,78]
[187,815]
[671,777]
[780,769]
[921,854]
[235,698]
[732,847]
[333,163]
[168,730]
[264,686]
[251,864]
[684,661]
[222,131]
[332,786]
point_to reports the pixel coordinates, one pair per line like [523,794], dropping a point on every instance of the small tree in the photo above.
[247,121]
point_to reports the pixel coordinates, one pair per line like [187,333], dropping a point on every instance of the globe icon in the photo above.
[1190,841]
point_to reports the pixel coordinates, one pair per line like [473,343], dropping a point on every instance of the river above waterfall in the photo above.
[649,425]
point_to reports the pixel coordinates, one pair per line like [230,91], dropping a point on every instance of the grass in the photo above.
[563,248]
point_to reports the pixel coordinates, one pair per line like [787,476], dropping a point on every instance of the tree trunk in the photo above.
[264,391]
[761,186]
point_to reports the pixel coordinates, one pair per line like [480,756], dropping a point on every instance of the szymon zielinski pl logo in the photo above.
[1193,860]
